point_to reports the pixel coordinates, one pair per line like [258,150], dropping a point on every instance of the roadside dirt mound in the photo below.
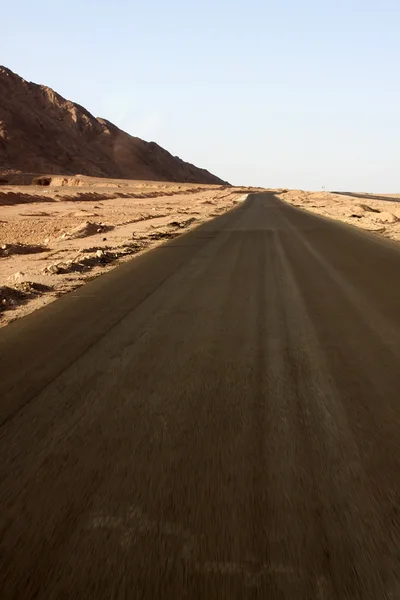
[42,132]
[11,297]
[92,257]
[85,230]
[10,249]
[11,198]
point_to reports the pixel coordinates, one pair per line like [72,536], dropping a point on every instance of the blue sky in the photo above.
[272,93]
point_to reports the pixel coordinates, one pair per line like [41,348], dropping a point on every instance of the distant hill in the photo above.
[41,132]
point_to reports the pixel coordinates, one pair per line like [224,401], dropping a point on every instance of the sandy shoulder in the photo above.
[55,239]
[377,213]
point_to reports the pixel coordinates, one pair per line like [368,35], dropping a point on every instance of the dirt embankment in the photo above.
[57,235]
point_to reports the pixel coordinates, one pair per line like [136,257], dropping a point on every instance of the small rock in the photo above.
[52,269]
[104,239]
[100,254]
[18,276]
[386,217]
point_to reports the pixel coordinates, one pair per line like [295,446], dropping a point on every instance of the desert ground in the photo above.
[371,212]
[56,233]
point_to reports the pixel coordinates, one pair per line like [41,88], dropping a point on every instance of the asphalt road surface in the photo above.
[218,418]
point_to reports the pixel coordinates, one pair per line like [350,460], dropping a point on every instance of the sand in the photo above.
[377,213]
[55,238]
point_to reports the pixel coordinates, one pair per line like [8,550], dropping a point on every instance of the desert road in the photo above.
[218,418]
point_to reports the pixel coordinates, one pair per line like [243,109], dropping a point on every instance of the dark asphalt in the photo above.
[218,418]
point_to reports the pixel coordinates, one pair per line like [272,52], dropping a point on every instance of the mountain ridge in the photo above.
[42,132]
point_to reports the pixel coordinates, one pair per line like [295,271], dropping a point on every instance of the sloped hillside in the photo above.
[41,132]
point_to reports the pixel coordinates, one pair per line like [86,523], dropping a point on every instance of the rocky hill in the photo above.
[41,132]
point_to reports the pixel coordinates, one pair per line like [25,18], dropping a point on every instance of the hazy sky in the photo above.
[275,93]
